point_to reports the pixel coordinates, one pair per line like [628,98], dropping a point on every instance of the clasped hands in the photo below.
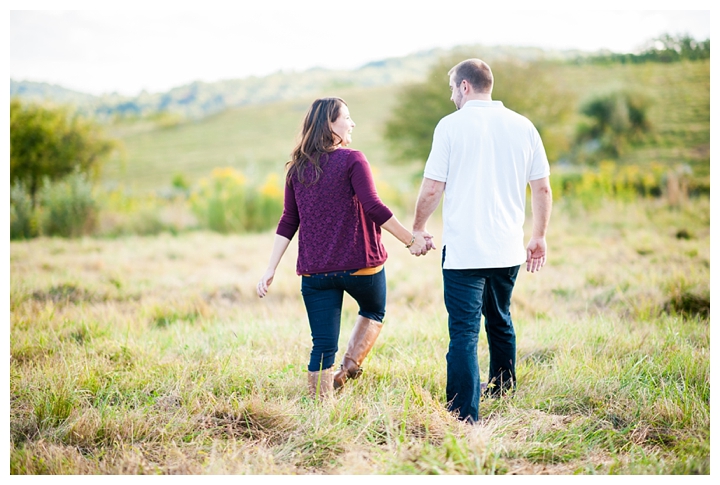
[422,244]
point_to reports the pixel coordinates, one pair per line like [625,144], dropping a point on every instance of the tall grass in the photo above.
[146,355]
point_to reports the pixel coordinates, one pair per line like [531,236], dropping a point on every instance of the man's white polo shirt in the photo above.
[486,154]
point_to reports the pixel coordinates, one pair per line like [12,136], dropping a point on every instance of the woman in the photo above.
[330,198]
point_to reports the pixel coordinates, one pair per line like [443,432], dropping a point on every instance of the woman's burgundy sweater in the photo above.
[339,217]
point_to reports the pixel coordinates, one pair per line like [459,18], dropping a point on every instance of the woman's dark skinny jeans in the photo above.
[323,297]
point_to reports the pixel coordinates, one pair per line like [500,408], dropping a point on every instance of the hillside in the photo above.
[254,139]
[679,111]
[257,139]
[199,99]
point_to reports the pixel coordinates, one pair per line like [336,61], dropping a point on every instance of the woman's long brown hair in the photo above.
[316,139]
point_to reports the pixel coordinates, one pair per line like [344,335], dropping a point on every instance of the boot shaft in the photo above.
[320,383]
[362,339]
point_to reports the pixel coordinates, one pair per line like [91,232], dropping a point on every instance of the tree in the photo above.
[420,106]
[52,142]
[529,88]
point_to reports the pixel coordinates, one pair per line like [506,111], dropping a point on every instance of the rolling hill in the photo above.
[257,139]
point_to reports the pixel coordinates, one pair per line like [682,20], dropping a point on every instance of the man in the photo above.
[483,156]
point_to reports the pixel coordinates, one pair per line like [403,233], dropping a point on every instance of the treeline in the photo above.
[666,48]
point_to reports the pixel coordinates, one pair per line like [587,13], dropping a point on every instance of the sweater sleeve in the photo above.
[290,220]
[364,186]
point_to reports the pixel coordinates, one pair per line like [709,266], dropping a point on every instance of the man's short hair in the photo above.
[476,72]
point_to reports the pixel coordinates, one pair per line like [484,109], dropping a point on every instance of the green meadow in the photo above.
[151,354]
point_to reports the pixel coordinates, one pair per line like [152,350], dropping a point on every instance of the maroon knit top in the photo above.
[339,217]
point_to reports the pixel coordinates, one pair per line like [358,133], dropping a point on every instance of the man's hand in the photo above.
[541,209]
[423,243]
[536,254]
[431,192]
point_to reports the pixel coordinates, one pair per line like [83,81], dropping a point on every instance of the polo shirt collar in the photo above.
[479,103]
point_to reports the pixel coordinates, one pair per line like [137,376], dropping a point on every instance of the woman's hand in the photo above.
[279,246]
[422,244]
[265,282]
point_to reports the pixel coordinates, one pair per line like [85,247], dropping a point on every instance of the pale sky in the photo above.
[126,51]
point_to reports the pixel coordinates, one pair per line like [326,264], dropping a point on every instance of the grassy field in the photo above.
[152,355]
[257,139]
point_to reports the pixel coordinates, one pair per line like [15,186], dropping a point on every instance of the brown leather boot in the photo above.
[320,383]
[362,339]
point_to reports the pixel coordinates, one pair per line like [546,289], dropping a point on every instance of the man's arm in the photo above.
[431,192]
[541,209]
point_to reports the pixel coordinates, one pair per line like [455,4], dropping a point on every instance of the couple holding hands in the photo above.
[483,157]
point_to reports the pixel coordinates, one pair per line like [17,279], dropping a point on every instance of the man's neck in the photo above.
[478,97]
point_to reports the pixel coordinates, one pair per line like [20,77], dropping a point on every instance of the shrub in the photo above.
[614,120]
[219,204]
[68,207]
[225,203]
[180,182]
[265,205]
[23,218]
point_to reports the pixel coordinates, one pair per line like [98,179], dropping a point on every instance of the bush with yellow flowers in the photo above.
[225,202]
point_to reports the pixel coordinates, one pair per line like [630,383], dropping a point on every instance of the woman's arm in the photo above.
[290,220]
[395,227]
[287,227]
[279,247]
[364,186]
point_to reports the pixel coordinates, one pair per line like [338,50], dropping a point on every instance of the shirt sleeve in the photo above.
[290,220]
[438,161]
[363,184]
[539,165]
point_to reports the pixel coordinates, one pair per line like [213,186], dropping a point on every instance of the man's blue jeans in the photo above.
[323,297]
[470,293]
